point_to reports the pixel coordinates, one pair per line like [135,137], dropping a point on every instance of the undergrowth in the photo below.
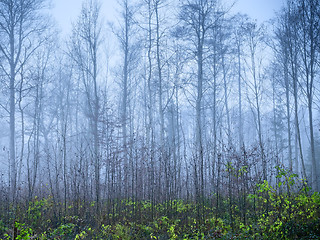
[286,209]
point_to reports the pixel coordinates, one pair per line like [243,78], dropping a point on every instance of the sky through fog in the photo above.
[66,11]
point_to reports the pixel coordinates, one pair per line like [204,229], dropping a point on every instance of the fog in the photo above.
[156,103]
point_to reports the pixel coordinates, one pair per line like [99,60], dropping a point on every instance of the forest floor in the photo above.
[269,213]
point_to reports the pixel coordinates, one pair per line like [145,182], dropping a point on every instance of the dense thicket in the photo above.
[174,102]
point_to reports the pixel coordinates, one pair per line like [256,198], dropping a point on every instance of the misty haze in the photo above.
[172,119]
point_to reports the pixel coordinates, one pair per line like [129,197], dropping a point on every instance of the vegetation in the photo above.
[285,210]
[179,119]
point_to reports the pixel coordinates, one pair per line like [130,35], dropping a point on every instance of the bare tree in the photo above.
[21,24]
[84,51]
[127,34]
[239,35]
[198,18]
[282,53]
[309,37]
[255,35]
[291,31]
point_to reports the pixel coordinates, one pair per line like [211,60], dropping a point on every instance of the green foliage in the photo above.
[285,214]
[3,228]
[81,235]
[64,230]
[38,216]
[285,209]
[24,232]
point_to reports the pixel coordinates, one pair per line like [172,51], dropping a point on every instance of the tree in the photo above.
[282,53]
[309,37]
[198,18]
[255,35]
[291,19]
[21,26]
[239,35]
[84,51]
[127,35]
